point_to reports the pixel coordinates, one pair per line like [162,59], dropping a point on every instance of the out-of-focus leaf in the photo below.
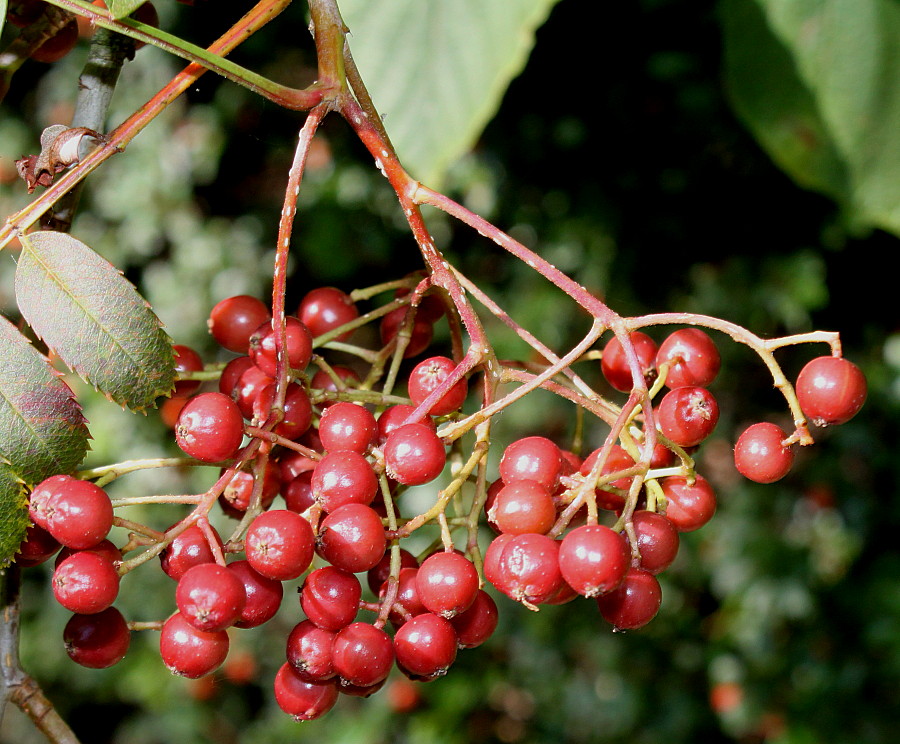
[13,514]
[437,70]
[818,83]
[42,429]
[94,318]
[2,15]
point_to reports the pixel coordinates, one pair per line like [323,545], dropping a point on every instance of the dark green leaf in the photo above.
[42,430]
[94,318]
[13,514]
[437,70]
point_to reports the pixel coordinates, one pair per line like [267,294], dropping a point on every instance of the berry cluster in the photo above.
[341,444]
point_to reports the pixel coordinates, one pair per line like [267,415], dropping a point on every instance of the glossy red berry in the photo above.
[321,380]
[326,308]
[407,603]
[347,426]
[210,428]
[263,595]
[593,559]
[474,626]
[343,477]
[97,641]
[237,494]
[186,360]
[634,603]
[614,365]
[430,374]
[362,654]
[688,415]
[759,454]
[309,651]
[533,458]
[37,547]
[296,411]
[330,597]
[657,540]
[189,548]
[378,574]
[395,416]
[426,645]
[298,346]
[692,357]
[831,390]
[233,320]
[85,583]
[80,513]
[39,503]
[419,334]
[210,597]
[523,506]
[528,569]
[414,454]
[104,548]
[352,538]
[689,506]
[279,544]
[301,698]
[189,652]
[447,583]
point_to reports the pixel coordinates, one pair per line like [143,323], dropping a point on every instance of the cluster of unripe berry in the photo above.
[341,453]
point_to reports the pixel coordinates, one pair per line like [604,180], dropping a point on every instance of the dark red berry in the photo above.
[687,415]
[189,548]
[414,454]
[759,454]
[362,654]
[347,426]
[426,645]
[614,365]
[447,583]
[80,514]
[477,624]
[635,603]
[85,583]
[263,595]
[330,597]
[430,374]
[689,507]
[298,346]
[186,360]
[692,357]
[593,559]
[407,603]
[352,538]
[189,652]
[279,544]
[233,320]
[395,416]
[343,477]
[37,547]
[378,574]
[296,411]
[420,332]
[300,698]
[657,540]
[326,308]
[39,508]
[104,548]
[210,597]
[831,390]
[97,641]
[532,458]
[309,650]
[210,428]
[528,568]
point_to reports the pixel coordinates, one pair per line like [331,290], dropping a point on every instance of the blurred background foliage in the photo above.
[619,155]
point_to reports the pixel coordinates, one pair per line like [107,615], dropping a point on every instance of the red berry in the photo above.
[687,415]
[279,544]
[235,497]
[474,626]
[39,509]
[618,459]
[298,494]
[210,428]
[298,346]
[378,574]
[395,416]
[689,507]
[186,360]
[615,367]
[414,454]
[323,381]
[343,477]
[352,538]
[657,540]
[523,506]
[189,652]
[231,375]
[97,641]
[58,45]
[296,410]
[430,374]
[85,583]
[37,547]
[532,458]
[263,595]
[189,548]
[330,597]
[362,654]
[635,603]
[831,390]
[347,426]
[528,568]
[300,698]
[593,559]
[309,650]
[426,645]
[104,548]
[420,333]
[407,603]
[210,597]
[233,320]
[692,357]
[447,583]
[759,454]
[80,513]
[326,308]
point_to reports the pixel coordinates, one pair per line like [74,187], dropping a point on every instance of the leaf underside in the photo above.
[13,514]
[42,429]
[82,307]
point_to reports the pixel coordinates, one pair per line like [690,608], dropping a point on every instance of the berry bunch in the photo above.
[341,444]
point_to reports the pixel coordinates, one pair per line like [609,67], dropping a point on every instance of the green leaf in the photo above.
[2,14]
[13,514]
[94,318]
[437,71]
[121,8]
[42,429]
[818,83]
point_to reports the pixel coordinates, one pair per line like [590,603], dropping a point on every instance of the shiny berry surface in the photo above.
[759,454]
[831,390]
[615,367]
